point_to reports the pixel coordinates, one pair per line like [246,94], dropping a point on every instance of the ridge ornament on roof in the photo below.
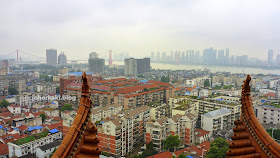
[81,139]
[250,139]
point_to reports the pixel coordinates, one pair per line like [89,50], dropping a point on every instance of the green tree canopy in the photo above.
[66,107]
[150,151]
[276,133]
[164,79]
[4,103]
[182,156]
[218,148]
[43,117]
[12,91]
[206,83]
[172,142]
[57,89]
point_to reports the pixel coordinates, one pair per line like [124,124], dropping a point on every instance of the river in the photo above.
[232,69]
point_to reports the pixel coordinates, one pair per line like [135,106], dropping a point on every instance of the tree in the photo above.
[150,151]
[218,148]
[182,156]
[43,117]
[57,89]
[206,83]
[12,91]
[4,104]
[276,133]
[172,142]
[141,76]
[164,79]
[66,107]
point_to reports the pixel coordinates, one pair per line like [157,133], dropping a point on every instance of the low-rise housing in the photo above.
[28,145]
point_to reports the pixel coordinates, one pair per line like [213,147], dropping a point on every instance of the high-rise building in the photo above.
[227,57]
[12,62]
[172,57]
[158,56]
[270,57]
[95,64]
[187,56]
[183,58]
[93,55]
[62,59]
[221,57]
[152,56]
[143,65]
[51,57]
[4,63]
[136,66]
[278,59]
[197,55]
[163,56]
[209,56]
[130,66]
[244,60]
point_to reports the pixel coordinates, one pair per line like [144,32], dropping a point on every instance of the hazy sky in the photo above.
[78,27]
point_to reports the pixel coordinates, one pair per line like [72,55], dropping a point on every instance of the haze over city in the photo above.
[139,27]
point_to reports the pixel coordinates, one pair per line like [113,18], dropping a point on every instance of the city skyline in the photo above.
[149,26]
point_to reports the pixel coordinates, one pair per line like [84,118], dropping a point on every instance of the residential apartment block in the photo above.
[159,110]
[119,134]
[181,125]
[129,93]
[216,120]
[268,114]
[189,105]
[105,112]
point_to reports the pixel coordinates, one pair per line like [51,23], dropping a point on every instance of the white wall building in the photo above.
[18,149]
[46,150]
[15,109]
[216,120]
[268,114]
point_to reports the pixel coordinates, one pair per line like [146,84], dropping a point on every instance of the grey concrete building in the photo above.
[51,55]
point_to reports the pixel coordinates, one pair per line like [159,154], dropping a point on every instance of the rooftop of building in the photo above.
[31,138]
[201,132]
[136,111]
[217,113]
[184,105]
[166,154]
[50,145]
[272,104]
[105,108]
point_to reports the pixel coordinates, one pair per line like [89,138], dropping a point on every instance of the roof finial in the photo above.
[246,87]
[85,87]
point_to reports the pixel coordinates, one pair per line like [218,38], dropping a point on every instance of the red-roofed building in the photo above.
[15,109]
[4,110]
[4,150]
[11,137]
[58,126]
[199,150]
[270,95]
[22,128]
[6,115]
[38,113]
[202,135]
[122,91]
[166,154]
